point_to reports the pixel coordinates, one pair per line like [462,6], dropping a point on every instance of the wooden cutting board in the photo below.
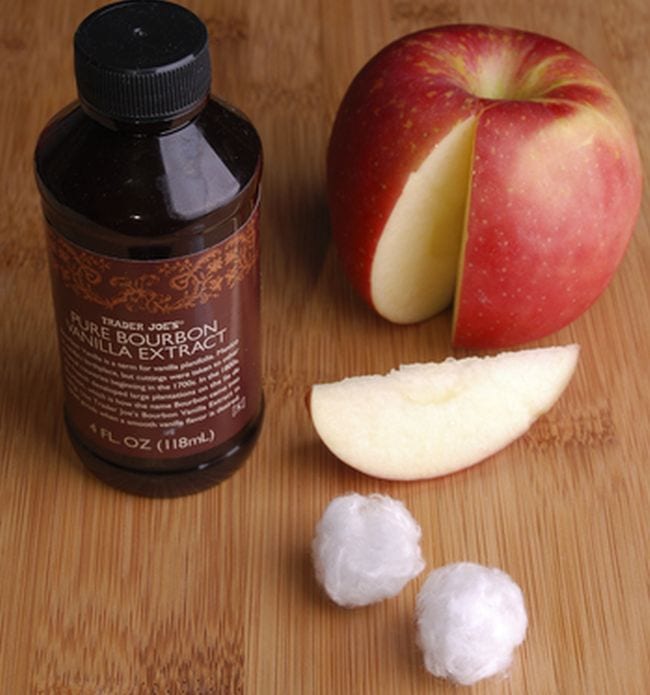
[101,592]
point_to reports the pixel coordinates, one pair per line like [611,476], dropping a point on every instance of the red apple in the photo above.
[489,166]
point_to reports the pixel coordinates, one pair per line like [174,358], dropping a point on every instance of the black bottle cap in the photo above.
[142,60]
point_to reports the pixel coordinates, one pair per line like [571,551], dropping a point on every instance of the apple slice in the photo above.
[427,420]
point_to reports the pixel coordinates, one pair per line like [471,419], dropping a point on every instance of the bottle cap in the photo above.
[142,60]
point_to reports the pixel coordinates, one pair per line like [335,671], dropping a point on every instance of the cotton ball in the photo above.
[366,549]
[470,619]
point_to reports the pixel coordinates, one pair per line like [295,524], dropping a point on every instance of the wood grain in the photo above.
[106,593]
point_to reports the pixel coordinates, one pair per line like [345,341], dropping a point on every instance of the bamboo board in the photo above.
[106,593]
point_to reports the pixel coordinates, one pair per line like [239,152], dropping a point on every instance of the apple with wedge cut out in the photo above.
[487,166]
[427,420]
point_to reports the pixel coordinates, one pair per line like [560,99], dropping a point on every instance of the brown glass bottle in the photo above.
[135,193]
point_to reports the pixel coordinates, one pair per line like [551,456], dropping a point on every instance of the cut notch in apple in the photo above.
[421,241]
[427,420]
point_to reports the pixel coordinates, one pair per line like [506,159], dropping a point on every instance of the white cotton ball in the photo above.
[470,619]
[366,549]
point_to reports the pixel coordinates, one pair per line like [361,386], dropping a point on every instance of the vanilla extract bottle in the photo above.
[150,191]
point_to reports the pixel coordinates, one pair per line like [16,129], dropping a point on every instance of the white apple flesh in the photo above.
[428,420]
[414,269]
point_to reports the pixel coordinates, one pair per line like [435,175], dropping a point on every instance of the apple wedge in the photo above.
[427,420]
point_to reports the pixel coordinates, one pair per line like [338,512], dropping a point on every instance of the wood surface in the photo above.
[102,592]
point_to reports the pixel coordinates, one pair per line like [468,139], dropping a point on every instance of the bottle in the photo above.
[150,191]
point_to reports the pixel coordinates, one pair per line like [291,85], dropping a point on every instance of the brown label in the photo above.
[160,358]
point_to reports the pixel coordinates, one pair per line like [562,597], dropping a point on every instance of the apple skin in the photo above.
[555,178]
[542,245]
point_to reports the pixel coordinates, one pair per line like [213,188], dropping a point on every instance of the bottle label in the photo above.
[160,359]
